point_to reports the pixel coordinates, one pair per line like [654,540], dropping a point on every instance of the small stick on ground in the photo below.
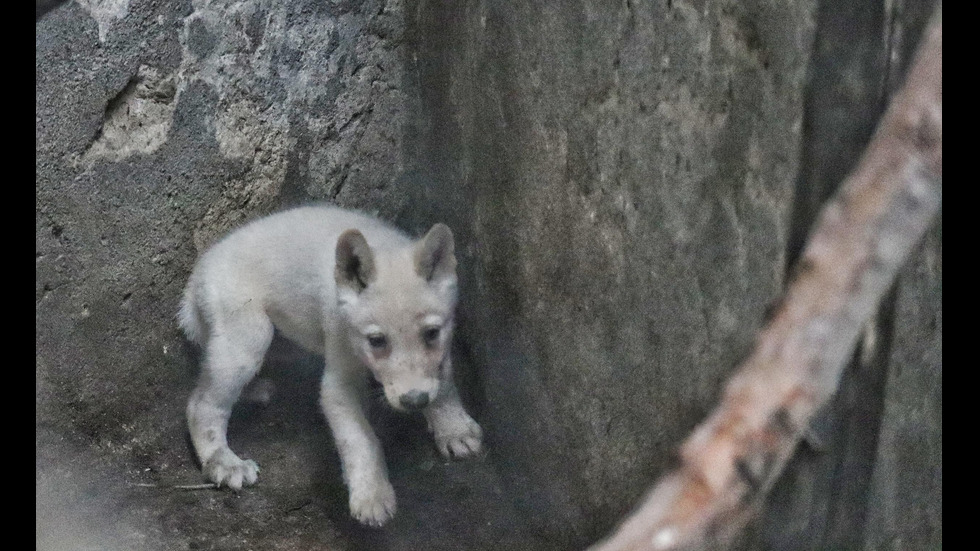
[205,486]
[861,240]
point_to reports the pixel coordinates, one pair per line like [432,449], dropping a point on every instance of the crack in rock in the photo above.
[137,119]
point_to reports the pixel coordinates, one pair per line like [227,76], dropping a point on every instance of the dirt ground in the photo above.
[90,499]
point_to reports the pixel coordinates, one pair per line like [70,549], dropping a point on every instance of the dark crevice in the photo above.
[44,6]
[839,118]
[860,405]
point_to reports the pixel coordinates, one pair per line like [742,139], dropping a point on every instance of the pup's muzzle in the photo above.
[414,399]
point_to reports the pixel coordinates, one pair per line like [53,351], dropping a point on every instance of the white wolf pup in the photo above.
[341,284]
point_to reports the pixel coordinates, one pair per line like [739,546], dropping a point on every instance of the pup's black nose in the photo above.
[414,399]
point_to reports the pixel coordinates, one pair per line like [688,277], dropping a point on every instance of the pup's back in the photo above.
[283,264]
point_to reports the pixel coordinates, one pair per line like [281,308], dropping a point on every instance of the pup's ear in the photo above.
[435,257]
[355,261]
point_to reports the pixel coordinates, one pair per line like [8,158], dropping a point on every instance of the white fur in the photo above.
[279,272]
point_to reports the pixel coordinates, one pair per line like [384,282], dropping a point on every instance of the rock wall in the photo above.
[624,171]
[159,126]
[627,182]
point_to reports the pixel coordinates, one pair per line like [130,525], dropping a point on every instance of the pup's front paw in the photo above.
[463,440]
[373,504]
[224,468]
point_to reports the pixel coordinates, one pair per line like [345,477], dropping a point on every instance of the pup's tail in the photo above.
[189,317]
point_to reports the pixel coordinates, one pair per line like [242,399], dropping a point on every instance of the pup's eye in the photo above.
[430,335]
[377,341]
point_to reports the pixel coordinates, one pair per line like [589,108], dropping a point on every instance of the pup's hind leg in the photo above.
[234,353]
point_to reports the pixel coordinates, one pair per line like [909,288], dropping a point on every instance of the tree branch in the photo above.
[862,239]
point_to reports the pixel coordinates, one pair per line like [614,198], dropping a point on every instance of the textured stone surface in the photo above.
[159,125]
[624,184]
[907,484]
[625,171]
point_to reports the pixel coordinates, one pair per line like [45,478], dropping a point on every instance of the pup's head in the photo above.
[398,306]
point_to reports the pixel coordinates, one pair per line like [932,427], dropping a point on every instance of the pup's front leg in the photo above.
[372,499]
[456,434]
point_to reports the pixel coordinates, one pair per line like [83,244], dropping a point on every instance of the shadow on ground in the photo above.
[87,499]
